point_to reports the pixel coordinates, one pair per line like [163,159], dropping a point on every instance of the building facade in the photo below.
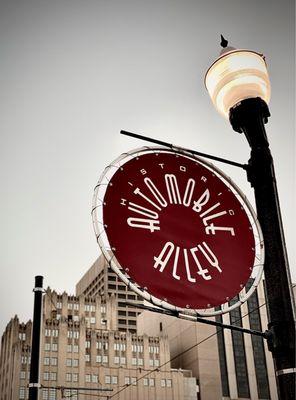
[101,280]
[84,356]
[227,364]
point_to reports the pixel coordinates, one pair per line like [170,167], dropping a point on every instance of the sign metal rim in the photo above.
[109,253]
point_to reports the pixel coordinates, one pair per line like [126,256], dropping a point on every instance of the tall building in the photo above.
[227,364]
[101,280]
[84,356]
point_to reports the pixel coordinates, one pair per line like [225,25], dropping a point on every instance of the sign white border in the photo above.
[110,253]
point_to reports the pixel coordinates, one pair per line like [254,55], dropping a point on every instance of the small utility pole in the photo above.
[34,384]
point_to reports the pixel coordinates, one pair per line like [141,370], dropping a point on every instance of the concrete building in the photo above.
[101,280]
[81,347]
[227,364]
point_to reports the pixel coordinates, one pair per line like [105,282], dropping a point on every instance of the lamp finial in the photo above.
[224,42]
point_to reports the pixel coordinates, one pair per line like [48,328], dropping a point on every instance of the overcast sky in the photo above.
[73,73]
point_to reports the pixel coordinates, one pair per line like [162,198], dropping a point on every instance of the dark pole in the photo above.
[249,117]
[35,348]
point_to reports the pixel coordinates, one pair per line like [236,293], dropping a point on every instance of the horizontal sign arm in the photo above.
[171,146]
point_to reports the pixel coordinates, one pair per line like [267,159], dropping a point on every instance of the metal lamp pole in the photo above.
[248,112]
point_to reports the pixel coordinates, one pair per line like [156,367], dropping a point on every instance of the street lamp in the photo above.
[239,87]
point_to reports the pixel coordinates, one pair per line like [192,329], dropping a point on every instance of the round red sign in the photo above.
[178,230]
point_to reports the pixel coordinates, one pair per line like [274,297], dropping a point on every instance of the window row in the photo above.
[154,349]
[72,362]
[22,336]
[51,332]
[25,359]
[71,377]
[137,361]
[72,348]
[50,394]
[49,376]
[91,378]
[73,334]
[51,347]
[119,346]
[50,361]
[137,348]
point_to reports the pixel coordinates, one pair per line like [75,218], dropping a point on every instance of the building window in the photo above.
[53,376]
[22,392]
[87,378]
[54,347]
[75,362]
[69,362]
[116,346]
[23,375]
[151,382]
[47,332]
[75,377]
[134,361]
[103,309]
[87,357]
[105,359]
[122,360]
[169,383]
[98,359]
[24,360]
[134,381]
[107,379]
[92,320]
[70,306]
[68,377]
[59,304]
[69,348]
[47,346]
[46,361]
[46,376]
[76,306]
[140,361]
[22,336]
[162,383]
[116,360]
[94,378]
[54,333]
[54,361]
[156,362]
[114,380]
[127,380]
[87,344]
[151,362]
[75,348]
[146,382]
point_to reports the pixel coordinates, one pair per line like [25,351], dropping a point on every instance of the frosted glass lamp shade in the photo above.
[235,76]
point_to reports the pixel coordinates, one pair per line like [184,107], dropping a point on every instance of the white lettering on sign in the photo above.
[138,191]
[156,193]
[162,260]
[172,189]
[144,223]
[183,169]
[188,192]
[161,165]
[212,229]
[207,212]
[204,198]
